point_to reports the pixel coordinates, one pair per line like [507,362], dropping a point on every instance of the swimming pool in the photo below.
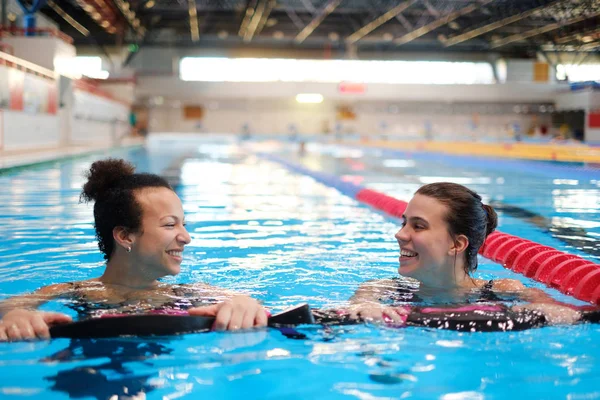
[285,239]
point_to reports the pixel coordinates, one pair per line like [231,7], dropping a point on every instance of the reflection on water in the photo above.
[112,379]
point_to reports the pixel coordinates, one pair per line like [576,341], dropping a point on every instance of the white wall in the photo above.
[269,118]
[173,87]
[97,119]
[592,136]
[124,91]
[23,130]
[94,107]
[41,50]
[85,118]
[585,99]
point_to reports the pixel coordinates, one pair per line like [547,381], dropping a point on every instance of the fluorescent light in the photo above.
[309,98]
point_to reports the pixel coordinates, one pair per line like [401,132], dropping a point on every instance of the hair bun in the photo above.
[492,219]
[104,175]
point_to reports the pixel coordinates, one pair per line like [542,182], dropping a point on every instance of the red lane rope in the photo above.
[565,272]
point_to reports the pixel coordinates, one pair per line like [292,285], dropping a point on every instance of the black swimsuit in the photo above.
[487,293]
[409,294]
[85,308]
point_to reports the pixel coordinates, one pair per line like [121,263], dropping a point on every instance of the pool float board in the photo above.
[469,318]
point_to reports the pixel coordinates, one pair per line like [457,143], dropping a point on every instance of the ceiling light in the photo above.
[150,4]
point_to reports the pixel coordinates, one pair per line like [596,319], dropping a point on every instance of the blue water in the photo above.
[284,238]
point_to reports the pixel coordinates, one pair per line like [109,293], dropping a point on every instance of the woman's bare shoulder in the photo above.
[203,289]
[507,285]
[379,283]
[58,289]
[55,290]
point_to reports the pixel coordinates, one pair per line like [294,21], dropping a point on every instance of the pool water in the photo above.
[285,239]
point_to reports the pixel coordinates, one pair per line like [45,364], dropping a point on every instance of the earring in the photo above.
[129,249]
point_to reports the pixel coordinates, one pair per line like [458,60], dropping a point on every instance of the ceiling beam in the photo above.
[295,18]
[194,28]
[316,21]
[262,10]
[377,22]
[498,24]
[431,9]
[538,31]
[250,10]
[593,34]
[130,17]
[265,17]
[70,20]
[309,6]
[405,22]
[569,48]
[443,20]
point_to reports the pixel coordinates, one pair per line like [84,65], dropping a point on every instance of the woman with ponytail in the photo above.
[443,227]
[141,232]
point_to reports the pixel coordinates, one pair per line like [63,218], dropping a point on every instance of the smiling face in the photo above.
[158,247]
[426,246]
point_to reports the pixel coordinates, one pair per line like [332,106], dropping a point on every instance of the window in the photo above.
[208,69]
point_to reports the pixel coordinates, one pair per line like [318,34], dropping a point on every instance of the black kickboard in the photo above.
[163,324]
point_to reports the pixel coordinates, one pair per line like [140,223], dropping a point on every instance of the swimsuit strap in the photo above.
[488,285]
[84,308]
[487,293]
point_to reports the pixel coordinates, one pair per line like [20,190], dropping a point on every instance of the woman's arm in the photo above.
[556,312]
[20,319]
[372,291]
[365,304]
[531,295]
[31,301]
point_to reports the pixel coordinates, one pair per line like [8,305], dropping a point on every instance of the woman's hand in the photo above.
[376,312]
[239,312]
[21,324]
[555,314]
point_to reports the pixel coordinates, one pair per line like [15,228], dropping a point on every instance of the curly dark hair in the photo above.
[111,183]
[467,215]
